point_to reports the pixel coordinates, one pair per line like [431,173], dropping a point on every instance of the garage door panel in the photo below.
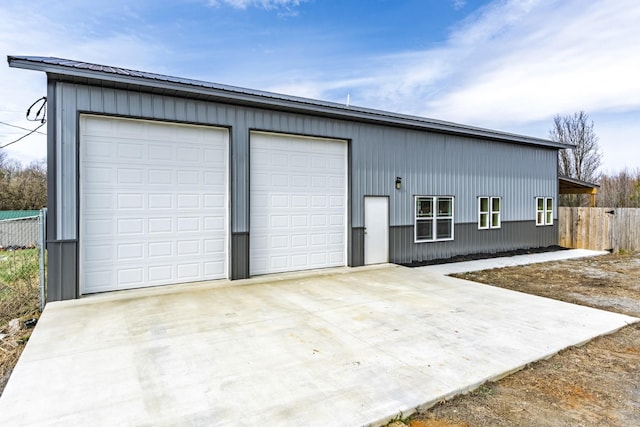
[214,268]
[130,251]
[101,280]
[188,177]
[160,249]
[160,153]
[280,221]
[130,277]
[159,176]
[160,201]
[127,200]
[213,178]
[160,225]
[213,201]
[160,274]
[300,261]
[99,202]
[299,241]
[133,176]
[97,253]
[188,201]
[95,228]
[293,208]
[153,211]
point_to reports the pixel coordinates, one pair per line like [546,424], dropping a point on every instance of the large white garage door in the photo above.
[298,203]
[153,200]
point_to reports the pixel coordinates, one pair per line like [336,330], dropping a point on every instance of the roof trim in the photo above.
[570,182]
[232,94]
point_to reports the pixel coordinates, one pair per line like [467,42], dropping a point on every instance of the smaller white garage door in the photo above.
[298,196]
[153,203]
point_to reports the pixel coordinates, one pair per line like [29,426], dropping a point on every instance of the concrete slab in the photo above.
[342,347]
[485,264]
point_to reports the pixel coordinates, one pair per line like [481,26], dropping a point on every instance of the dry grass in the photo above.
[19,299]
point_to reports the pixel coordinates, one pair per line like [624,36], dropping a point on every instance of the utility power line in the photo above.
[23,136]
[19,127]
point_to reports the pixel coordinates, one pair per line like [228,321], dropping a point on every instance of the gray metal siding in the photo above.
[239,256]
[357,247]
[470,240]
[52,164]
[429,163]
[66,167]
[62,271]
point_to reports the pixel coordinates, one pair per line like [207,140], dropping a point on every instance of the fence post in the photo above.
[42,222]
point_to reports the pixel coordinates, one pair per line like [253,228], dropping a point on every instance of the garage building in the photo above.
[157,180]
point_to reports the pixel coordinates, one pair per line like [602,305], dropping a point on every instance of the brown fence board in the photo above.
[599,228]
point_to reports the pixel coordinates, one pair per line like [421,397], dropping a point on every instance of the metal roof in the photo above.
[58,68]
[8,215]
[568,183]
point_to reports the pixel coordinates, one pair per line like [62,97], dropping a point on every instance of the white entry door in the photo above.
[376,230]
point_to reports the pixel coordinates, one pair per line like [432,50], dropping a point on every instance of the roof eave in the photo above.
[281,102]
[578,182]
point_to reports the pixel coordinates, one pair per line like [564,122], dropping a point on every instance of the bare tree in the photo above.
[621,190]
[583,161]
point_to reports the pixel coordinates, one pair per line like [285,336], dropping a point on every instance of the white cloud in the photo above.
[511,62]
[458,4]
[264,4]
[553,58]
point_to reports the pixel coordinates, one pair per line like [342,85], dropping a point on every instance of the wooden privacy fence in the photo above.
[602,229]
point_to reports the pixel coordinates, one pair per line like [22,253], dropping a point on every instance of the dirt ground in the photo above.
[597,384]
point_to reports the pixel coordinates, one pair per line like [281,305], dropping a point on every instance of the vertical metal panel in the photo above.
[239,256]
[433,164]
[135,104]
[62,270]
[357,247]
[52,164]
[240,168]
[470,240]
[66,170]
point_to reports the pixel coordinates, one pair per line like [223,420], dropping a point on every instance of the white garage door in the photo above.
[153,200]
[298,203]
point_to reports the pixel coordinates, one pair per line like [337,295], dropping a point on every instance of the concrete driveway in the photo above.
[342,347]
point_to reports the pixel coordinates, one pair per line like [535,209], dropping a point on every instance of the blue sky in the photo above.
[506,65]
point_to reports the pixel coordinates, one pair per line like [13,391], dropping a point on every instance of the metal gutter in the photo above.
[237,95]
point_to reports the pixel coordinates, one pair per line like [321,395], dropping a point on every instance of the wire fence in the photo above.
[21,233]
[27,233]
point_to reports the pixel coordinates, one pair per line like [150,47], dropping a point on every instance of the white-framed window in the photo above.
[544,210]
[433,218]
[489,212]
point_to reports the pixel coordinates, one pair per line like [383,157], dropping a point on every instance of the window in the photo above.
[489,212]
[544,210]
[434,218]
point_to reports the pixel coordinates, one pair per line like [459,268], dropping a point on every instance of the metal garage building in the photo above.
[156,180]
